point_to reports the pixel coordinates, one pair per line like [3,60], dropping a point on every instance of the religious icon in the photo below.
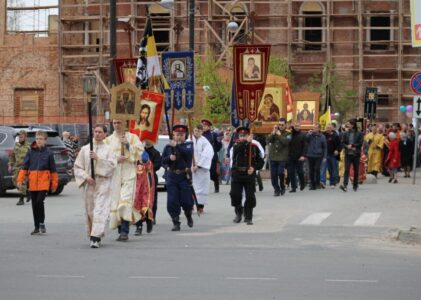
[178,69]
[129,73]
[123,101]
[306,112]
[270,109]
[252,65]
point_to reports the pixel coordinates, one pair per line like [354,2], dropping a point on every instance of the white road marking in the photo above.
[252,278]
[153,277]
[316,218]
[367,219]
[352,280]
[60,276]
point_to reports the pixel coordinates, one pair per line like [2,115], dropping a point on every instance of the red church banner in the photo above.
[149,117]
[250,70]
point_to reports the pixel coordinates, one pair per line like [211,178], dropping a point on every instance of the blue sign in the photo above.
[416,83]
[178,69]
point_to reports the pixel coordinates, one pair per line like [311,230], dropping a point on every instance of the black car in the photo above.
[61,153]
[54,143]
[7,143]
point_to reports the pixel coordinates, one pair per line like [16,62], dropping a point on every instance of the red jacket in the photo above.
[393,159]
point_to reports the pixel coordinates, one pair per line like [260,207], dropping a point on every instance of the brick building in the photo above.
[369,42]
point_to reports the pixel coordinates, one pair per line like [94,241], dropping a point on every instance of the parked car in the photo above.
[160,145]
[7,143]
[61,154]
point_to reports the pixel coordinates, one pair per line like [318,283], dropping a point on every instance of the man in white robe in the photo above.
[128,148]
[202,160]
[97,190]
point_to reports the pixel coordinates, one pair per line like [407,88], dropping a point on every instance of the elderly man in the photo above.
[97,190]
[128,148]
[16,161]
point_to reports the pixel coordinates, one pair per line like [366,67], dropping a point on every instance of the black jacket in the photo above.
[155,158]
[297,145]
[333,143]
[357,143]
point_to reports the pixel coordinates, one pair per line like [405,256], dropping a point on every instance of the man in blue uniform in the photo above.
[217,145]
[244,175]
[178,156]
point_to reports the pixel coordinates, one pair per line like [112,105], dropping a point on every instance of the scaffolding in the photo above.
[368,41]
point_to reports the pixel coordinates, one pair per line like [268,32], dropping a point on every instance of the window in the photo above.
[32,16]
[161,25]
[382,35]
[239,12]
[379,30]
[383,100]
[312,18]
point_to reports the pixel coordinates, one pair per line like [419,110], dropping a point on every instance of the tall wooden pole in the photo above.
[91,142]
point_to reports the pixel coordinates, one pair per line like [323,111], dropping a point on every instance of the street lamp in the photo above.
[89,85]
[232,26]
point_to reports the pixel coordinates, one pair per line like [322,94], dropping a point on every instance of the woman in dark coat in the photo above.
[406,149]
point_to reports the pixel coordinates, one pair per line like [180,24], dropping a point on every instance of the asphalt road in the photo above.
[322,244]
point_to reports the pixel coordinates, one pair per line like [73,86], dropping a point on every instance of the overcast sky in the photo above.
[30,20]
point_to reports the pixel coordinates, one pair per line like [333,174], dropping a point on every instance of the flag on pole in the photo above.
[148,65]
[324,118]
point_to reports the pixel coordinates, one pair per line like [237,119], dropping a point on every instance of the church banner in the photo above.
[250,71]
[178,69]
[148,120]
[126,70]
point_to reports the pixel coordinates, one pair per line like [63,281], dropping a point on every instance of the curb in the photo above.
[411,236]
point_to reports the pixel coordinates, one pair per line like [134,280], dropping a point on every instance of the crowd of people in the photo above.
[329,158]
[118,176]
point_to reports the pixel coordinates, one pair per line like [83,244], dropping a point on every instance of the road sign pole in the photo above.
[414,163]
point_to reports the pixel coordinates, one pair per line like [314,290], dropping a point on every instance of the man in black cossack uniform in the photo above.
[244,175]
[217,145]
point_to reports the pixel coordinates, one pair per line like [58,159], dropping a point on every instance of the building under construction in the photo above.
[368,41]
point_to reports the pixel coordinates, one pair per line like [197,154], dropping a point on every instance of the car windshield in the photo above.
[160,145]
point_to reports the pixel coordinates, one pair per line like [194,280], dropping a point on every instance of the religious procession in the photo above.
[295,143]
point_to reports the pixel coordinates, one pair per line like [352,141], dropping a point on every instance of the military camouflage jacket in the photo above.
[18,154]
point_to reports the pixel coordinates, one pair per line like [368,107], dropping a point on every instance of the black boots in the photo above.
[176,223]
[149,225]
[248,216]
[238,214]
[189,218]
[216,185]
[20,202]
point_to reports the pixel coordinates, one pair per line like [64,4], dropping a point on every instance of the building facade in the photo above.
[369,42]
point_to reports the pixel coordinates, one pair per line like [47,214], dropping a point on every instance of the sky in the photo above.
[30,20]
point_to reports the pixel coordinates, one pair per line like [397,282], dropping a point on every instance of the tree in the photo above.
[216,106]
[342,97]
[279,66]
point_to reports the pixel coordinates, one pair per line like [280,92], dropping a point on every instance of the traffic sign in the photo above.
[416,83]
[417,107]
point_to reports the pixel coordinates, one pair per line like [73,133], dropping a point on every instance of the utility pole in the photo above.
[113,40]
[192,8]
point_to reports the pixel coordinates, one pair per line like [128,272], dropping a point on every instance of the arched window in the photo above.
[239,11]
[312,17]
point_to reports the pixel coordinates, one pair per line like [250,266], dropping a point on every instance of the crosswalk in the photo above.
[321,218]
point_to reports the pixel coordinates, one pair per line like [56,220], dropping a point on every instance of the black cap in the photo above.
[243,130]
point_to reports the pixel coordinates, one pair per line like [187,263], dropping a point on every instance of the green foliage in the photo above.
[343,99]
[279,66]
[216,105]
